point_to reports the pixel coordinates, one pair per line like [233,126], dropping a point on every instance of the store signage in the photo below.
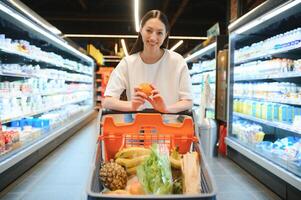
[213,31]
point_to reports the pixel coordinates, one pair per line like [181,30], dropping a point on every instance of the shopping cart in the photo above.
[147,128]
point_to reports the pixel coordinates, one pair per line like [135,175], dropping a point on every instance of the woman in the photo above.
[151,62]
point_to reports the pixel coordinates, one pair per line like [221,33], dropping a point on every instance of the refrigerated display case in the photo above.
[203,71]
[46,90]
[264,115]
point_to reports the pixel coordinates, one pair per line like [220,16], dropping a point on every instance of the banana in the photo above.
[131,162]
[132,152]
[175,163]
[131,171]
[175,159]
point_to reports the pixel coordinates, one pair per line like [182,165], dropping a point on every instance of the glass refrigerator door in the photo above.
[265,91]
[203,76]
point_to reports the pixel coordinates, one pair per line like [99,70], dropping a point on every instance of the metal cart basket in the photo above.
[142,130]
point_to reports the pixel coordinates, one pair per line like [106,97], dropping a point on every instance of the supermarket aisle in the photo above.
[63,174]
[235,183]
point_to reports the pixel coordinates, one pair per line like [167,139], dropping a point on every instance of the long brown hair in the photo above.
[138,46]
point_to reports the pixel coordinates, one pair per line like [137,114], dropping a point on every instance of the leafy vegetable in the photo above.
[155,173]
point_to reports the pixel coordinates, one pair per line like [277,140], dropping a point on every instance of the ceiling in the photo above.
[187,18]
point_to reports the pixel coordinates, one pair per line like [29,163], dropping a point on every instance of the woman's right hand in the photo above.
[138,99]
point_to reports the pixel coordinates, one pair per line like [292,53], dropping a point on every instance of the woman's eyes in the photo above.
[150,31]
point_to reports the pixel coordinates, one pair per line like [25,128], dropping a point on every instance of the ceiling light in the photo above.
[124,47]
[136,6]
[176,45]
[200,52]
[116,48]
[109,56]
[130,36]
[112,60]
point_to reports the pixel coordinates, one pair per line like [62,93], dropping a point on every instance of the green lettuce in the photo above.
[154,173]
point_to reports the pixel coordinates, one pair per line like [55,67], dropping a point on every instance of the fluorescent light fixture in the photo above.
[187,38]
[200,52]
[109,56]
[33,26]
[112,60]
[267,16]
[35,17]
[124,47]
[130,36]
[136,6]
[116,48]
[176,45]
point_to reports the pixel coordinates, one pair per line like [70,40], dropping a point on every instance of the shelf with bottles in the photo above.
[25,50]
[257,137]
[284,43]
[293,127]
[277,68]
[22,133]
[35,71]
[19,108]
[265,91]
[276,92]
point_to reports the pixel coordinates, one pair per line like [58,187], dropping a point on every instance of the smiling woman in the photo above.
[150,62]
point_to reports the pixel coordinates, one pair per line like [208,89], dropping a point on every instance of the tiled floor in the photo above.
[63,175]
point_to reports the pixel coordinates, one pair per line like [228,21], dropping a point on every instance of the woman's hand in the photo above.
[157,100]
[138,99]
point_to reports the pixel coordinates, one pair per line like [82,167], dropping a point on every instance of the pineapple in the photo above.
[113,176]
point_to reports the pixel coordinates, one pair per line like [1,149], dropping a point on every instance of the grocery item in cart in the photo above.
[152,152]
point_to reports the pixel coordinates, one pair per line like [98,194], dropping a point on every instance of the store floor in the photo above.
[63,174]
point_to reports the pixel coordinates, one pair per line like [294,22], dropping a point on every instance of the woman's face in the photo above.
[153,34]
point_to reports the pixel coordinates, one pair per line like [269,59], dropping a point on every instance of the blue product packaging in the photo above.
[15,123]
[254,109]
[297,110]
[22,123]
[37,123]
[284,113]
[29,121]
[289,114]
[270,112]
[46,124]
[276,112]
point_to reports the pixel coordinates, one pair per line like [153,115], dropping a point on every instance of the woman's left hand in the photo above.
[157,101]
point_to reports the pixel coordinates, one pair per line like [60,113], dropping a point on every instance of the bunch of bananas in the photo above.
[131,158]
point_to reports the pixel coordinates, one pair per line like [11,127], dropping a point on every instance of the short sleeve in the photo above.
[185,91]
[118,80]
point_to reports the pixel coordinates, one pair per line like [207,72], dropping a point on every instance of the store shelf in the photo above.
[26,75]
[295,102]
[286,75]
[287,127]
[203,71]
[268,165]
[274,53]
[14,159]
[4,50]
[9,119]
[30,94]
